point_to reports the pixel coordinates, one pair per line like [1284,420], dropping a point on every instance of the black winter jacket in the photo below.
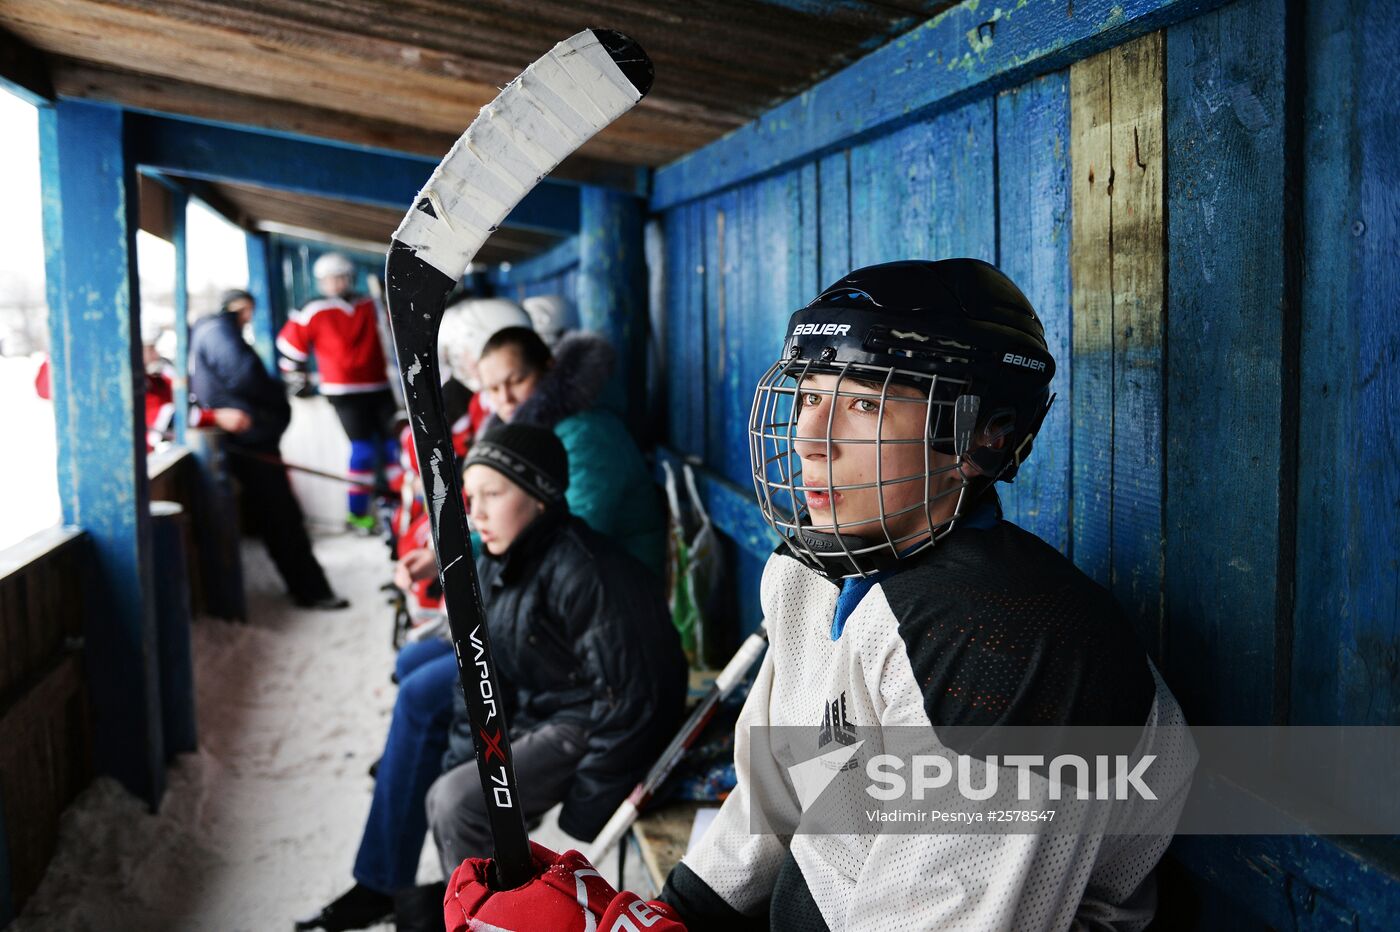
[225,372]
[580,631]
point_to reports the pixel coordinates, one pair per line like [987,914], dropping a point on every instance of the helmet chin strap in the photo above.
[840,555]
[843,555]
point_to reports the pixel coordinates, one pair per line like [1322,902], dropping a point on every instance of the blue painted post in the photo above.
[345,173]
[179,203]
[90,203]
[262,285]
[277,289]
[612,285]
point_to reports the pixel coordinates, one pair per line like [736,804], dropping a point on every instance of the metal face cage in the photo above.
[857,544]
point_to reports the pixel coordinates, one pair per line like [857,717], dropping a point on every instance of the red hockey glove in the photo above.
[628,913]
[565,895]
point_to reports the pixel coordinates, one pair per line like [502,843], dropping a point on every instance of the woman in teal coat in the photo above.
[567,391]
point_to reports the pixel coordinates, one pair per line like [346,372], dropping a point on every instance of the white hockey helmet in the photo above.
[468,324]
[150,331]
[553,315]
[332,264]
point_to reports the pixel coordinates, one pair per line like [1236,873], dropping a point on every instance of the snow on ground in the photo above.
[259,827]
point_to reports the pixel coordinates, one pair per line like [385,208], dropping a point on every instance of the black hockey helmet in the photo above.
[960,331]
[961,319]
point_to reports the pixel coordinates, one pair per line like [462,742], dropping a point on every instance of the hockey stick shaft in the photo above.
[297,467]
[555,106]
[732,674]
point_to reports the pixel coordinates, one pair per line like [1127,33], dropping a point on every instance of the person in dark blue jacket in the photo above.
[226,373]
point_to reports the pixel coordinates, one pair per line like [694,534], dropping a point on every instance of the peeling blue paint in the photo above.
[97,377]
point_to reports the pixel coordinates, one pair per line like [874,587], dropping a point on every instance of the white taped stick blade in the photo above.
[556,105]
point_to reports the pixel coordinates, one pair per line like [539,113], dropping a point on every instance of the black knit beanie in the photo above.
[530,456]
[232,295]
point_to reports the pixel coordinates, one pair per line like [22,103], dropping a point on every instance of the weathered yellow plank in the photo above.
[1091,278]
[1117,263]
[1139,260]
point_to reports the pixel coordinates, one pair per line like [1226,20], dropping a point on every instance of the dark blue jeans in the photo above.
[398,823]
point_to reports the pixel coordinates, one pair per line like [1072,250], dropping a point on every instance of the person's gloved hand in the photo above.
[566,894]
[629,913]
[298,383]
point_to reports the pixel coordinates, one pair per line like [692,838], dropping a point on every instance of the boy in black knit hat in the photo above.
[594,673]
[591,667]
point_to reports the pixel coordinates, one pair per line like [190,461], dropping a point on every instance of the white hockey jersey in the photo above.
[990,627]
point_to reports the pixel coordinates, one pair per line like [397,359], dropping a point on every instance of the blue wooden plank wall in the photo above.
[1032,145]
[553,272]
[1201,200]
[1348,546]
[1224,374]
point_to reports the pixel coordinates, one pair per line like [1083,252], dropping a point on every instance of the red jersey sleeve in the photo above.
[294,343]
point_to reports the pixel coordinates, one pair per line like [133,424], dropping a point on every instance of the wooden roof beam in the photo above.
[172,97]
[24,71]
[210,195]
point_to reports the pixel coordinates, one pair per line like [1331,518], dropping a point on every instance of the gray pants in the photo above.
[544,768]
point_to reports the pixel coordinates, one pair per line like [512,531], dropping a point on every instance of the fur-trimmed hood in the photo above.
[582,364]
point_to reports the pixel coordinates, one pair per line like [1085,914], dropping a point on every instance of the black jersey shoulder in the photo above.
[702,908]
[1002,629]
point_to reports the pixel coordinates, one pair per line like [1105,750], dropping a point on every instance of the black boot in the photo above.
[420,909]
[356,908]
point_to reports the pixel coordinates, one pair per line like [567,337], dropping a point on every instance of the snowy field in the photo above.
[260,827]
[28,461]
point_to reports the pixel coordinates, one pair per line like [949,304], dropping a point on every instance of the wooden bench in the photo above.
[660,838]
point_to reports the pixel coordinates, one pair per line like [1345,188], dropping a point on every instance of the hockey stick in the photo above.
[642,794]
[552,108]
[381,320]
[274,460]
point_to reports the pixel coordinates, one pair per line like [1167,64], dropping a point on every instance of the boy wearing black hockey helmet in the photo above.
[899,597]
